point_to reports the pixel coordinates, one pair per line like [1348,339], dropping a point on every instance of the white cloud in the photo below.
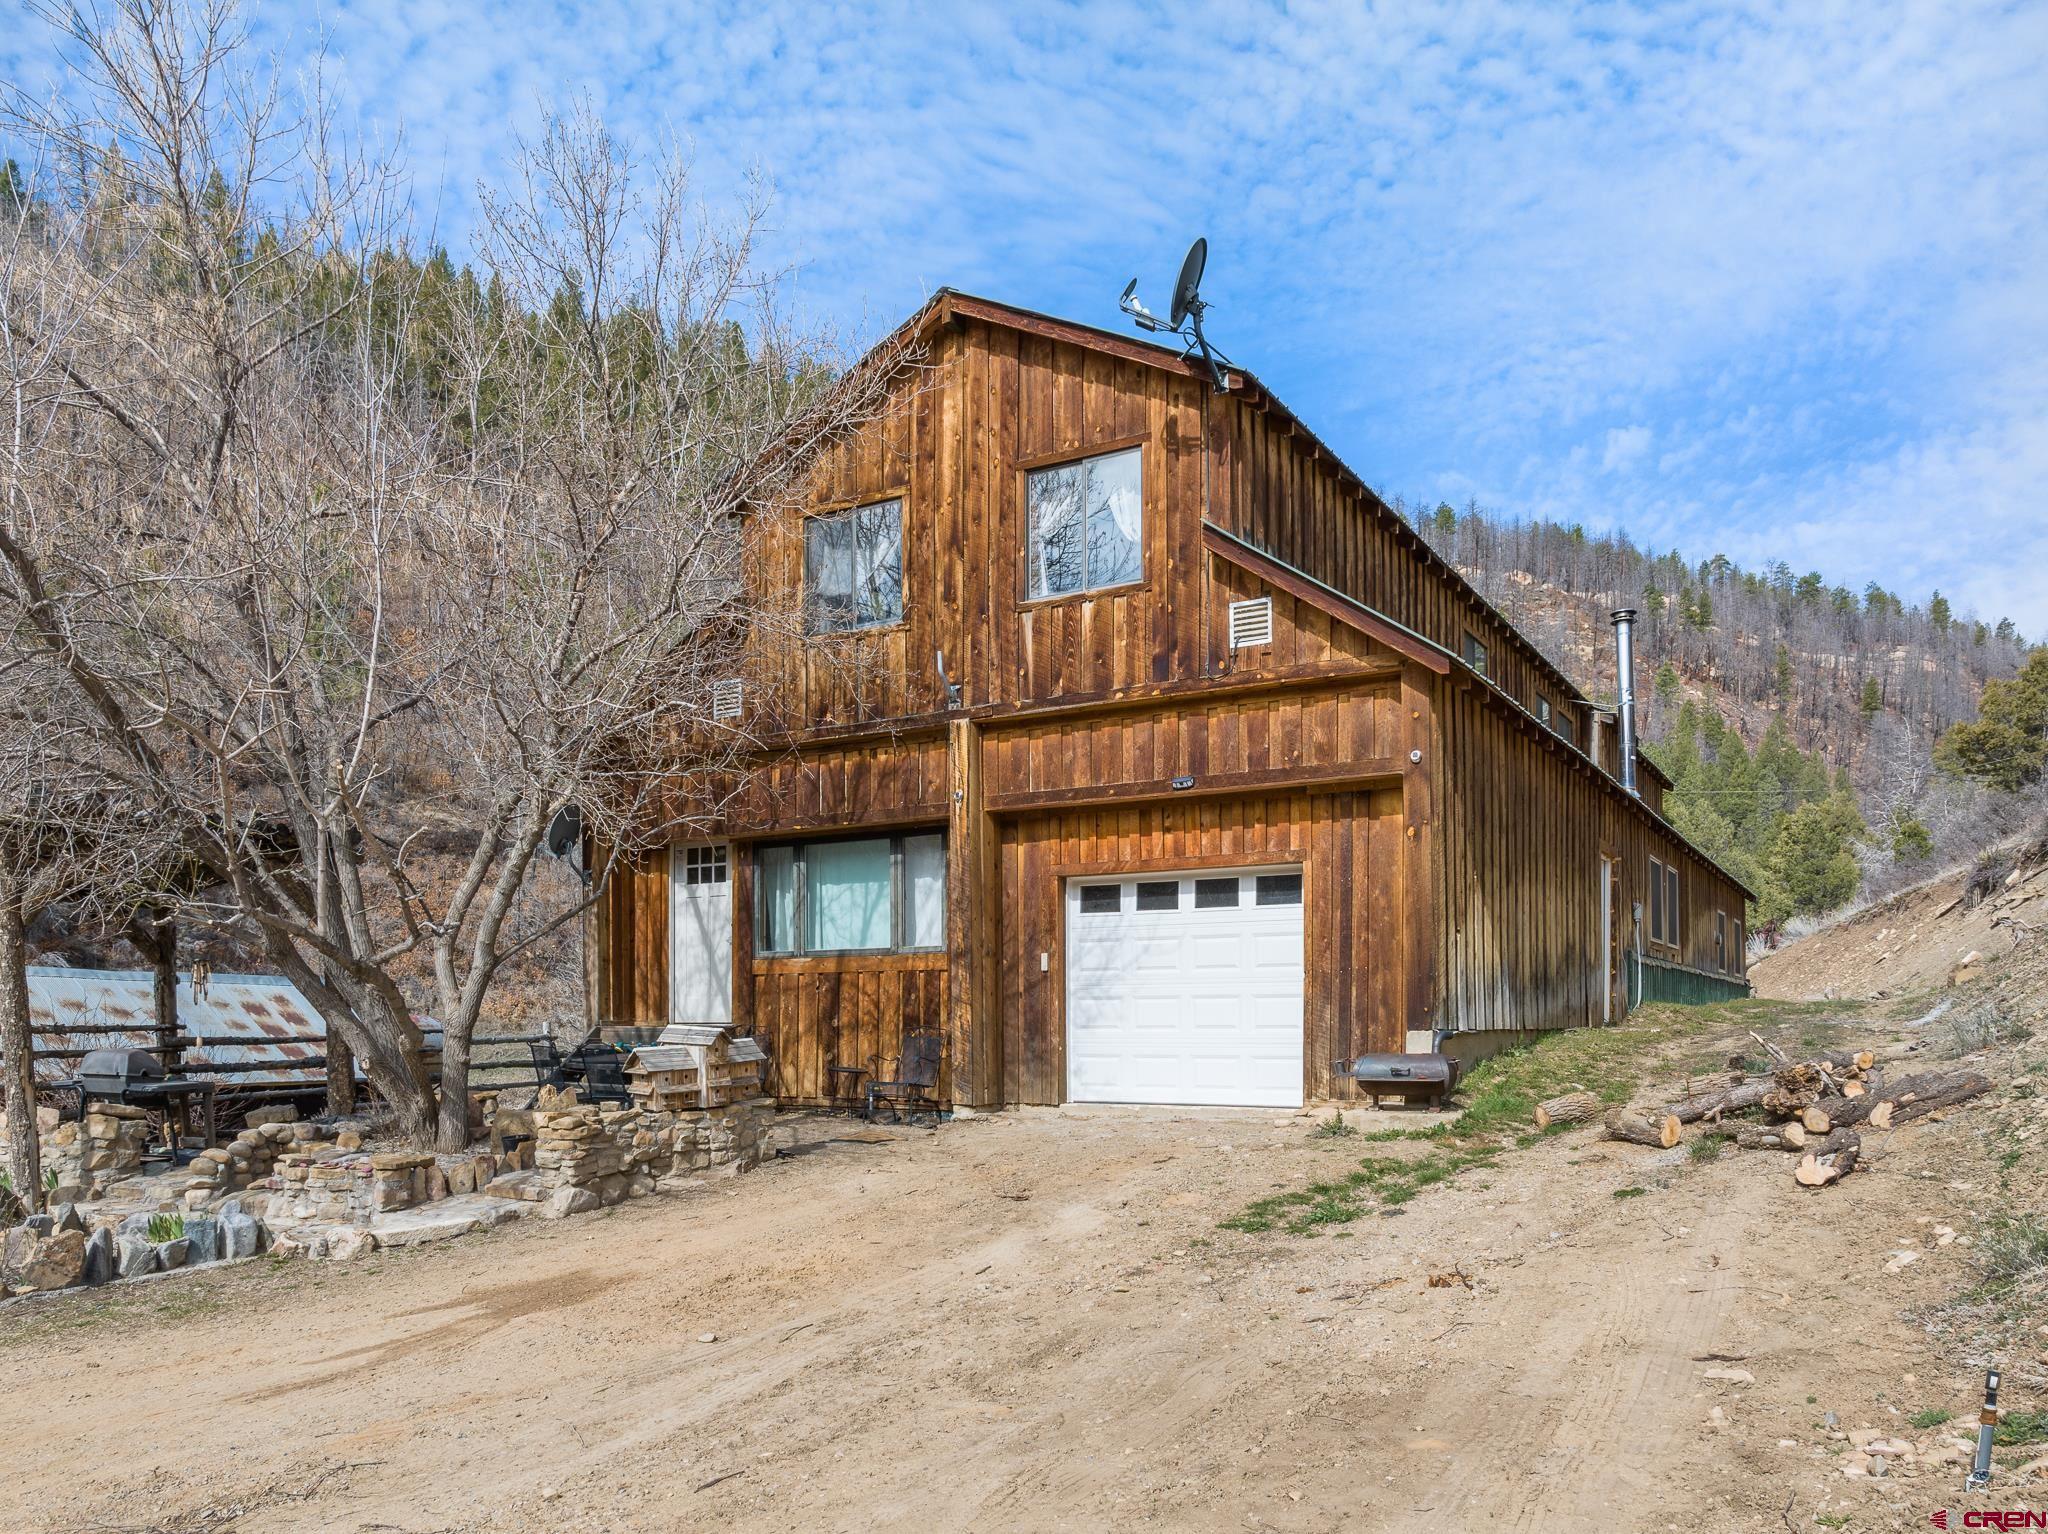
[1625,446]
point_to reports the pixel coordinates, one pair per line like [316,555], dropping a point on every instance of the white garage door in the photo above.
[1185,988]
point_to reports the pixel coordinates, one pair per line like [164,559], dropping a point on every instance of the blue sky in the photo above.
[1764,280]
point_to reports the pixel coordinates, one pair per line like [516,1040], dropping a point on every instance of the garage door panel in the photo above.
[1194,1004]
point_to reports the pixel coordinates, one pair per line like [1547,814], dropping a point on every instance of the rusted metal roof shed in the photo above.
[260,1021]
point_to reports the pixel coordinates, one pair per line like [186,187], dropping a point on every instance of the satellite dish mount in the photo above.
[1184,318]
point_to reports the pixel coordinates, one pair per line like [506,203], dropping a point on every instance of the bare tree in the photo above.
[68,832]
[338,553]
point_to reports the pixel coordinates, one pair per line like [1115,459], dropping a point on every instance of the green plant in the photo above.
[2012,1250]
[50,1180]
[2021,1427]
[1708,1147]
[1630,1192]
[1831,1520]
[1383,1182]
[165,1227]
[1334,1127]
[1933,1416]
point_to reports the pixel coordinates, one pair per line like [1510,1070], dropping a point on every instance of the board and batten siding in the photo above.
[989,405]
[1293,499]
[1523,826]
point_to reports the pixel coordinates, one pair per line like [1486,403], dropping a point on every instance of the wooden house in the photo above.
[1140,750]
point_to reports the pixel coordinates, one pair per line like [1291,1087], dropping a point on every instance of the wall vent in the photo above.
[727,698]
[1251,623]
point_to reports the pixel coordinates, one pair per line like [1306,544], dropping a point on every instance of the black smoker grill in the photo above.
[120,1075]
[136,1078]
[1428,1077]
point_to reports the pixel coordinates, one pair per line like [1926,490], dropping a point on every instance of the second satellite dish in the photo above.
[1184,315]
[1187,292]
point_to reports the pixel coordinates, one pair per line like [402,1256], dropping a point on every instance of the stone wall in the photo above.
[86,1156]
[589,1155]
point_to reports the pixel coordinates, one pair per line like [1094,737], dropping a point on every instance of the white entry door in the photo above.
[700,934]
[1185,988]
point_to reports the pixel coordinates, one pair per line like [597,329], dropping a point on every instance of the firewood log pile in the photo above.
[1817,1109]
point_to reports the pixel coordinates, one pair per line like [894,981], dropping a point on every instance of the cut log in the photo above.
[1909,1098]
[1722,1102]
[1572,1108]
[1920,1095]
[1794,1087]
[1767,1137]
[1830,1161]
[1852,1088]
[1642,1129]
[1881,1116]
[1815,1121]
[1793,1134]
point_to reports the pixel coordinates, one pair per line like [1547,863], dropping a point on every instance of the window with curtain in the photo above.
[883,894]
[847,896]
[775,881]
[853,568]
[1086,524]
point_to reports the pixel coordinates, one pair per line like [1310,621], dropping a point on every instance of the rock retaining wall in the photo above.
[589,1155]
[86,1156]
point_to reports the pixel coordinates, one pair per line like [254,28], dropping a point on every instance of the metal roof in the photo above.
[255,1020]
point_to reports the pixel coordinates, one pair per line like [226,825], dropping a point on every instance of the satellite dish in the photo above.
[1187,292]
[564,838]
[1184,317]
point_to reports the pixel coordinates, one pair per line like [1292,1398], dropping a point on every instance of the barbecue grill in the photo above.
[1430,1077]
[136,1078]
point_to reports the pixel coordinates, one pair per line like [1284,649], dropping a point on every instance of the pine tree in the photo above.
[2006,746]
[1938,613]
[1873,697]
[1911,841]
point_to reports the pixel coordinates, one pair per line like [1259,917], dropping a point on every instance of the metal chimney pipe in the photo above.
[1624,619]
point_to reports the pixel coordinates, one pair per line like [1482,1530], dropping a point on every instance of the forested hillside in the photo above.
[1810,728]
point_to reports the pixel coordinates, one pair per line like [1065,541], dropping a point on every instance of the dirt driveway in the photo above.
[1025,1321]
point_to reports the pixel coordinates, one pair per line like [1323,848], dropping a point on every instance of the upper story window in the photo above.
[853,568]
[1561,721]
[1475,653]
[1087,526]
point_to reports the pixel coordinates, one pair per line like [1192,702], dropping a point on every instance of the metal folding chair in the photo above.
[915,1085]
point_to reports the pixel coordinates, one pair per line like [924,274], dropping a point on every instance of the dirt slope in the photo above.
[1917,940]
[1031,1322]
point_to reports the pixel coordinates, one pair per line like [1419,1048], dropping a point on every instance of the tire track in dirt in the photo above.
[1605,1394]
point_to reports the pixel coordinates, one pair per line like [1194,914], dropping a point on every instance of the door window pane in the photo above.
[1162,895]
[777,876]
[1215,894]
[846,887]
[924,891]
[1099,899]
[1279,889]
